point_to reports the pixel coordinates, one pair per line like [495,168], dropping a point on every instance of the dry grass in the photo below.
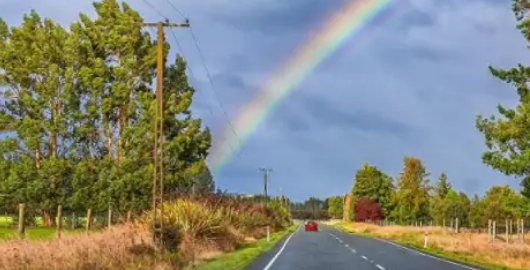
[204,227]
[472,245]
[111,249]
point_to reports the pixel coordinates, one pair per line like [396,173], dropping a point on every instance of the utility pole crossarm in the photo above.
[167,24]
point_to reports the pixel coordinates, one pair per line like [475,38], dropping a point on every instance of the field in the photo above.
[466,246]
[211,233]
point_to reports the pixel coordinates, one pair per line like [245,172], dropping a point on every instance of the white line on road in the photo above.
[269,265]
[346,245]
[380,267]
[353,250]
[427,255]
[364,257]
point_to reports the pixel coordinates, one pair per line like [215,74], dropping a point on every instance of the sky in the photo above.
[412,85]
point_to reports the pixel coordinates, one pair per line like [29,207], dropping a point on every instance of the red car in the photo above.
[311,226]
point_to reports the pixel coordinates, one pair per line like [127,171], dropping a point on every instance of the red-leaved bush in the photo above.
[367,209]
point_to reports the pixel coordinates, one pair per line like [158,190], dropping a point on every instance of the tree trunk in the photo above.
[47,219]
[108,134]
[37,158]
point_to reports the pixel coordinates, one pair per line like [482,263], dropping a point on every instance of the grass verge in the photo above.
[498,256]
[246,253]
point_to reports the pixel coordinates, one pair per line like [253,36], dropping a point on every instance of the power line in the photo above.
[193,76]
[188,67]
[213,85]
[208,74]
[155,9]
[203,61]
[176,9]
[176,39]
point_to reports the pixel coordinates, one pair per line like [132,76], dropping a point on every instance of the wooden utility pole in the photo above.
[265,180]
[158,153]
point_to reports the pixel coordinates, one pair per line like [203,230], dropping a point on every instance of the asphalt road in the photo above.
[331,249]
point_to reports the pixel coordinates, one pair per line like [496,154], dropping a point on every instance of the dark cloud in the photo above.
[278,17]
[410,83]
[312,113]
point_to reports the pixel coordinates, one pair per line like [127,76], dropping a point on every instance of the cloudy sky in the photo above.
[410,84]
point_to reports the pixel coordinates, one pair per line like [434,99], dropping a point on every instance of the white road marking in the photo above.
[426,255]
[346,245]
[380,267]
[353,250]
[364,257]
[269,265]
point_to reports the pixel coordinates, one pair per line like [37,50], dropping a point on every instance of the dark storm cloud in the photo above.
[414,87]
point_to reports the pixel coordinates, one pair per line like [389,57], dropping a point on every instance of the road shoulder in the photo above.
[242,258]
[433,253]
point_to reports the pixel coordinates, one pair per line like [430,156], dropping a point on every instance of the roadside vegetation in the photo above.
[467,246]
[198,229]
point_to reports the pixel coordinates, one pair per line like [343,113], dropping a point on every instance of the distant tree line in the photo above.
[411,197]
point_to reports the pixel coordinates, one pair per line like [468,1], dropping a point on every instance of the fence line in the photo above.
[65,220]
[507,230]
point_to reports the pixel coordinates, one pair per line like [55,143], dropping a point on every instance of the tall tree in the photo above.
[507,137]
[115,115]
[438,207]
[412,196]
[37,80]
[370,182]
[501,202]
[477,216]
[187,143]
[335,206]
[456,206]
[203,181]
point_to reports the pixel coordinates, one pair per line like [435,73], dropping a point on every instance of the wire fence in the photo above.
[506,230]
[26,221]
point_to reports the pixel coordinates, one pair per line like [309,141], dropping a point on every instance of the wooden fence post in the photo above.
[21,221]
[110,216]
[59,220]
[522,230]
[456,225]
[88,219]
[494,230]
[507,230]
[73,222]
[490,231]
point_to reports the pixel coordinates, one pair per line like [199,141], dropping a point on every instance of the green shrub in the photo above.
[194,219]
[278,215]
[169,237]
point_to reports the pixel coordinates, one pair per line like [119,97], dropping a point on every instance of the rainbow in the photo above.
[348,22]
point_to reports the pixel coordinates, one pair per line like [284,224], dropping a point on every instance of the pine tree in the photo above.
[441,190]
[187,143]
[507,137]
[412,196]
